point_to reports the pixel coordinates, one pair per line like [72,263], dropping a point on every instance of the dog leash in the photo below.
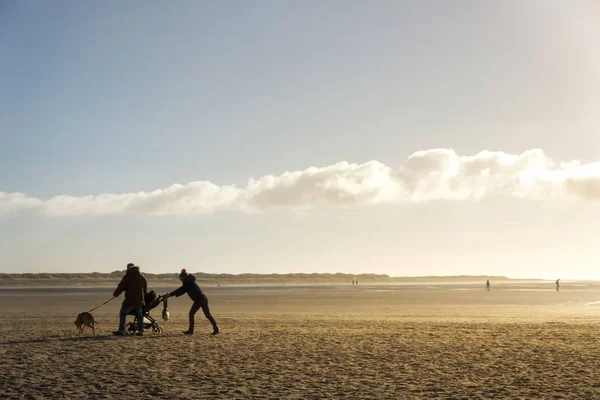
[102,304]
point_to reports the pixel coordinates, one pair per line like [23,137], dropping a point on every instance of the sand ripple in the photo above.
[299,358]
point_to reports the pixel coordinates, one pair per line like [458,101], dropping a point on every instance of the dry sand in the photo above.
[395,342]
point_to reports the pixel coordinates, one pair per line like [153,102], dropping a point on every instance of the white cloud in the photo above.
[338,184]
[14,202]
[193,198]
[437,174]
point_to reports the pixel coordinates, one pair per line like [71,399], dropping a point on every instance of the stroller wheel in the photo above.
[130,329]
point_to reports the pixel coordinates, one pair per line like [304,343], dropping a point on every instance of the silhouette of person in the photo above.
[557,285]
[487,285]
[135,286]
[190,286]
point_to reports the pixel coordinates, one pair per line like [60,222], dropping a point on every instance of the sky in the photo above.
[407,138]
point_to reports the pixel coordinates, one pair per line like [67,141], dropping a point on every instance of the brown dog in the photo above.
[85,319]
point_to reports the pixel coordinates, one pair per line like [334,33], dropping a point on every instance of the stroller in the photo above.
[152,300]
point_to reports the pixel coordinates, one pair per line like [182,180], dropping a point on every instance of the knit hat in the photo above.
[183,273]
[130,265]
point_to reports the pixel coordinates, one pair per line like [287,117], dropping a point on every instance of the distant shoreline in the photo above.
[96,279]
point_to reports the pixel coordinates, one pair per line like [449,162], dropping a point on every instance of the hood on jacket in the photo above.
[190,278]
[133,271]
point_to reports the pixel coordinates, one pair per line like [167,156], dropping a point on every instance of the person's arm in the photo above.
[119,288]
[178,292]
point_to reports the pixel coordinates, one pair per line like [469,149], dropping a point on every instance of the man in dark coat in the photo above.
[135,287]
[190,286]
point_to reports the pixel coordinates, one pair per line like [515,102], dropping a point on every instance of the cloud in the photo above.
[13,202]
[193,198]
[437,174]
[339,184]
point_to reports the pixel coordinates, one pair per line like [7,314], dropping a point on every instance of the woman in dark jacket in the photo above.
[190,286]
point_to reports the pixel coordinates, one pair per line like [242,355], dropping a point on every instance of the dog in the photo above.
[85,319]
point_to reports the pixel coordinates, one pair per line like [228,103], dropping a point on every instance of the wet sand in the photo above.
[411,341]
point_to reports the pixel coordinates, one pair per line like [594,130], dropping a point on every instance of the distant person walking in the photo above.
[135,286]
[190,286]
[487,285]
[557,285]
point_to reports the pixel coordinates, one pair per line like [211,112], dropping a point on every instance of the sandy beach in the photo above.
[521,340]
[377,199]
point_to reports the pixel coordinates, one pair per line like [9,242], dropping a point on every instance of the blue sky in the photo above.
[113,97]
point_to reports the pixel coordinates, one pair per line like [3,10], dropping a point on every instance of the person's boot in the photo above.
[189,332]
[119,333]
[215,330]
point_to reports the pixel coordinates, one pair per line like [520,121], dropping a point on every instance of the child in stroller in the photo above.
[152,300]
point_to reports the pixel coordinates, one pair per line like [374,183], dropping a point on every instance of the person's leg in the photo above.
[208,316]
[195,307]
[140,317]
[122,314]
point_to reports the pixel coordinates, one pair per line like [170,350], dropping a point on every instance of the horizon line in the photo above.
[466,276]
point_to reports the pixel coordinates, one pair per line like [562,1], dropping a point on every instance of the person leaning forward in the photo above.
[190,286]
[135,287]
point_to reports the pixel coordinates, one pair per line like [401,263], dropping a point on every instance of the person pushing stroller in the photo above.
[190,286]
[135,287]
